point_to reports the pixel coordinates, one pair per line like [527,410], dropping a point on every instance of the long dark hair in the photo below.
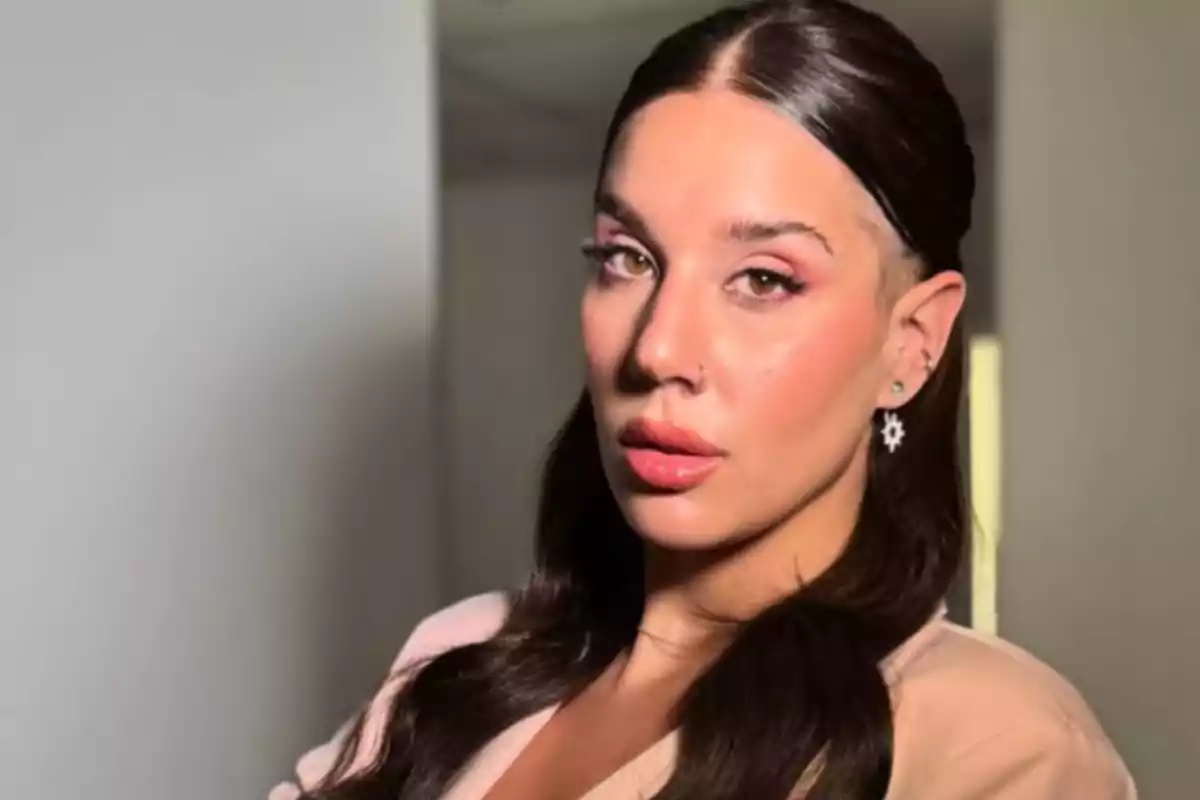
[799,692]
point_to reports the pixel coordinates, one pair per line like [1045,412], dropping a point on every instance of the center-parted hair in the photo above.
[799,692]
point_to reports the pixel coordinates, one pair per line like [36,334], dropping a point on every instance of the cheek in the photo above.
[605,334]
[819,381]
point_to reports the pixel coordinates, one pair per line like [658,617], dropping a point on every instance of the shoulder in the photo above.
[958,677]
[468,621]
[973,711]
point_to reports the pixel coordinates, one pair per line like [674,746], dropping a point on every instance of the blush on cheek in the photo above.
[809,383]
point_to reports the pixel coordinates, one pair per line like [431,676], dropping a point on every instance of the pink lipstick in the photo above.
[668,457]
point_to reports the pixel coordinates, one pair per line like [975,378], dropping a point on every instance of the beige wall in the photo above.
[1099,291]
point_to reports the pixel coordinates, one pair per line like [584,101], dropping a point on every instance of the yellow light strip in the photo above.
[984,399]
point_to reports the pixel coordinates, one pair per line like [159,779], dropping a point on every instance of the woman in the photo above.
[751,518]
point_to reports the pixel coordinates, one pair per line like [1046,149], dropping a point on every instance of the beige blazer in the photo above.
[975,718]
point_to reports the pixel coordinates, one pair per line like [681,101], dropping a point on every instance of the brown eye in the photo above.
[628,263]
[619,262]
[765,284]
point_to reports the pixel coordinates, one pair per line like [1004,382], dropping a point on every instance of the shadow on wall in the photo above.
[340,402]
[508,242]
[383,569]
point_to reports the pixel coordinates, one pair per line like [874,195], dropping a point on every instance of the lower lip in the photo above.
[670,471]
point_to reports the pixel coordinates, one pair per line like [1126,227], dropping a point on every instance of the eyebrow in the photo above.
[613,206]
[750,231]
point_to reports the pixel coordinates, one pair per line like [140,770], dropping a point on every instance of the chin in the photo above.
[678,522]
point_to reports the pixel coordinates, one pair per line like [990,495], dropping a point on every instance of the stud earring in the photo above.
[897,387]
[893,431]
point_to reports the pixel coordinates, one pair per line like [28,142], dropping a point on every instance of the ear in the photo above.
[920,326]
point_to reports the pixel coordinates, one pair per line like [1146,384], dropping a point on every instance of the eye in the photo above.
[759,284]
[618,261]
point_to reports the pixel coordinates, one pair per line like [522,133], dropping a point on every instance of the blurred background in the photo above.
[288,316]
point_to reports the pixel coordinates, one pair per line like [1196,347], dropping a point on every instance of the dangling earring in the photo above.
[893,431]
[893,428]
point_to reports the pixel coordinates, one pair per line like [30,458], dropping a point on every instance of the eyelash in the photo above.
[601,255]
[787,284]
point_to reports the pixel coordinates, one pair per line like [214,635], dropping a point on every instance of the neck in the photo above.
[696,600]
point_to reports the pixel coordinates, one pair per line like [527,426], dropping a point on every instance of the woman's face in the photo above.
[738,330]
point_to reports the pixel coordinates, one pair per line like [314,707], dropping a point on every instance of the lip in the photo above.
[668,457]
[668,438]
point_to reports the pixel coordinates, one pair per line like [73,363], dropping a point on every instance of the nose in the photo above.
[669,342]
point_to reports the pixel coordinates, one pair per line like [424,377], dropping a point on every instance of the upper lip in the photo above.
[668,437]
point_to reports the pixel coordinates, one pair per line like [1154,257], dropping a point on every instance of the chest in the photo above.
[574,752]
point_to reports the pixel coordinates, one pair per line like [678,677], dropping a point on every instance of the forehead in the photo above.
[718,155]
